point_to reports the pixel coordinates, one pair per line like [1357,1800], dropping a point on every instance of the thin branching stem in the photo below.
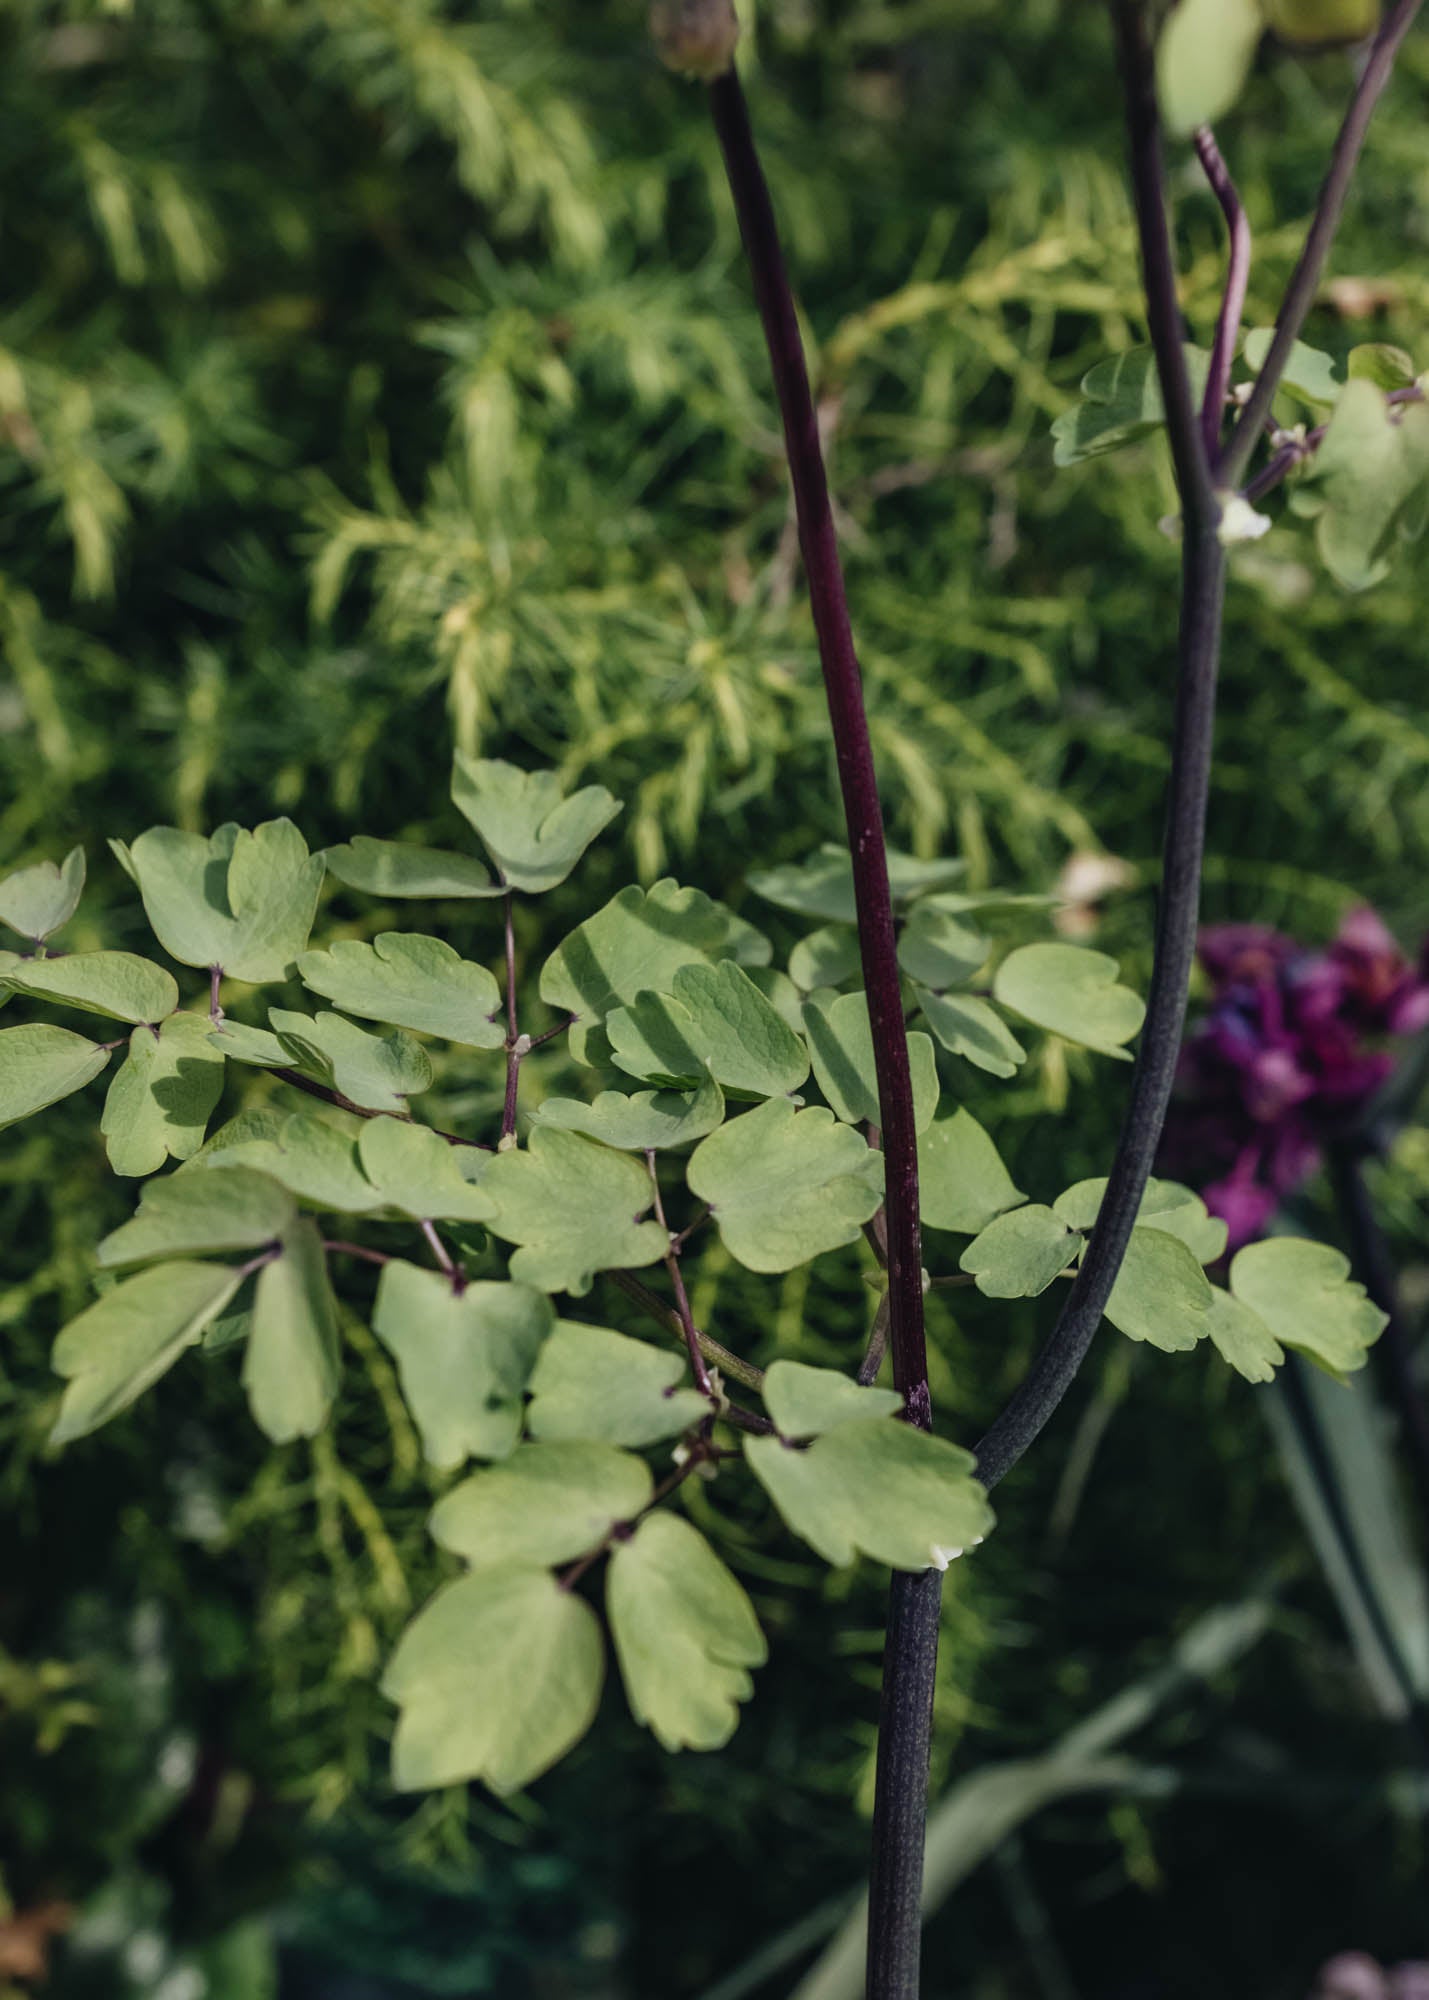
[910,1656]
[1232,310]
[1305,280]
[1202,595]
[733,1366]
[677,1280]
[514,1047]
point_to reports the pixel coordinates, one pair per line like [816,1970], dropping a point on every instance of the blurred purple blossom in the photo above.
[1286,1059]
[1354,1975]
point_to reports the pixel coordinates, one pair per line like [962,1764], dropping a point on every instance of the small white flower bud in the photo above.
[695,37]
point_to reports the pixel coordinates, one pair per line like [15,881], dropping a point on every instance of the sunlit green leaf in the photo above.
[823,887]
[534,836]
[574,1208]
[785,1185]
[1071,992]
[937,950]
[841,1041]
[1121,401]
[161,1099]
[463,1355]
[392,868]
[1020,1254]
[685,1634]
[39,1066]
[1165,1205]
[200,1214]
[878,1487]
[317,1161]
[804,1401]
[1377,361]
[115,984]
[548,1503]
[409,982]
[825,957]
[1315,377]
[416,1172]
[591,1383]
[970,1028]
[1161,1294]
[713,1020]
[379,1072]
[1304,1294]
[244,1044]
[1371,466]
[496,1678]
[39,901]
[1203,57]
[646,1121]
[123,1343]
[1242,1338]
[243,901]
[290,1365]
[962,1183]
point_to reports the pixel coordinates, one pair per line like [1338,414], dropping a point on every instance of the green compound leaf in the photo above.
[972,1029]
[804,1402]
[161,1100]
[290,1366]
[391,868]
[937,950]
[1377,361]
[240,1043]
[409,982]
[496,1678]
[1365,478]
[685,1634]
[823,887]
[1121,403]
[841,1041]
[1161,1294]
[962,1183]
[1313,376]
[242,901]
[115,984]
[1071,992]
[1020,1254]
[39,901]
[417,1172]
[1242,1338]
[1166,1205]
[714,1021]
[573,1206]
[463,1357]
[533,835]
[646,1122]
[877,1487]
[1303,1293]
[549,1503]
[39,1066]
[201,1214]
[316,1161]
[636,943]
[785,1185]
[379,1072]
[591,1383]
[826,957]
[125,1341]
[1203,57]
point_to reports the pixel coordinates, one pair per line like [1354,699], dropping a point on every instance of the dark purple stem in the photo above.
[682,1298]
[310,1088]
[1233,302]
[905,1722]
[1202,592]
[514,1050]
[1305,281]
[342,1249]
[1297,450]
[215,985]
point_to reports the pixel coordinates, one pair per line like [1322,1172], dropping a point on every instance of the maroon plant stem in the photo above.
[1305,281]
[729,1364]
[1297,449]
[852,747]
[514,1051]
[1233,302]
[342,1249]
[439,1249]
[310,1088]
[1392,1353]
[215,988]
[910,1655]
[1202,593]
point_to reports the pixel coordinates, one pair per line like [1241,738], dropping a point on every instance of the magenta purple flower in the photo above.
[1286,1060]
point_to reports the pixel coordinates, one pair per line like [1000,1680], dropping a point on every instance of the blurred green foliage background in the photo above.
[378,375]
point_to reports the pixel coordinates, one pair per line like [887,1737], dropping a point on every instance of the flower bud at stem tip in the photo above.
[695,37]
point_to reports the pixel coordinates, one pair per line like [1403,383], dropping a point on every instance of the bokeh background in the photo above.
[380,375]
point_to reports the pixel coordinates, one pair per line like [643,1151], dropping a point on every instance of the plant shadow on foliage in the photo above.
[368,385]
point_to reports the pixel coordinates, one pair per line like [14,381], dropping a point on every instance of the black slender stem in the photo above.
[1305,280]
[1393,1353]
[1233,301]
[1202,596]
[910,1655]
